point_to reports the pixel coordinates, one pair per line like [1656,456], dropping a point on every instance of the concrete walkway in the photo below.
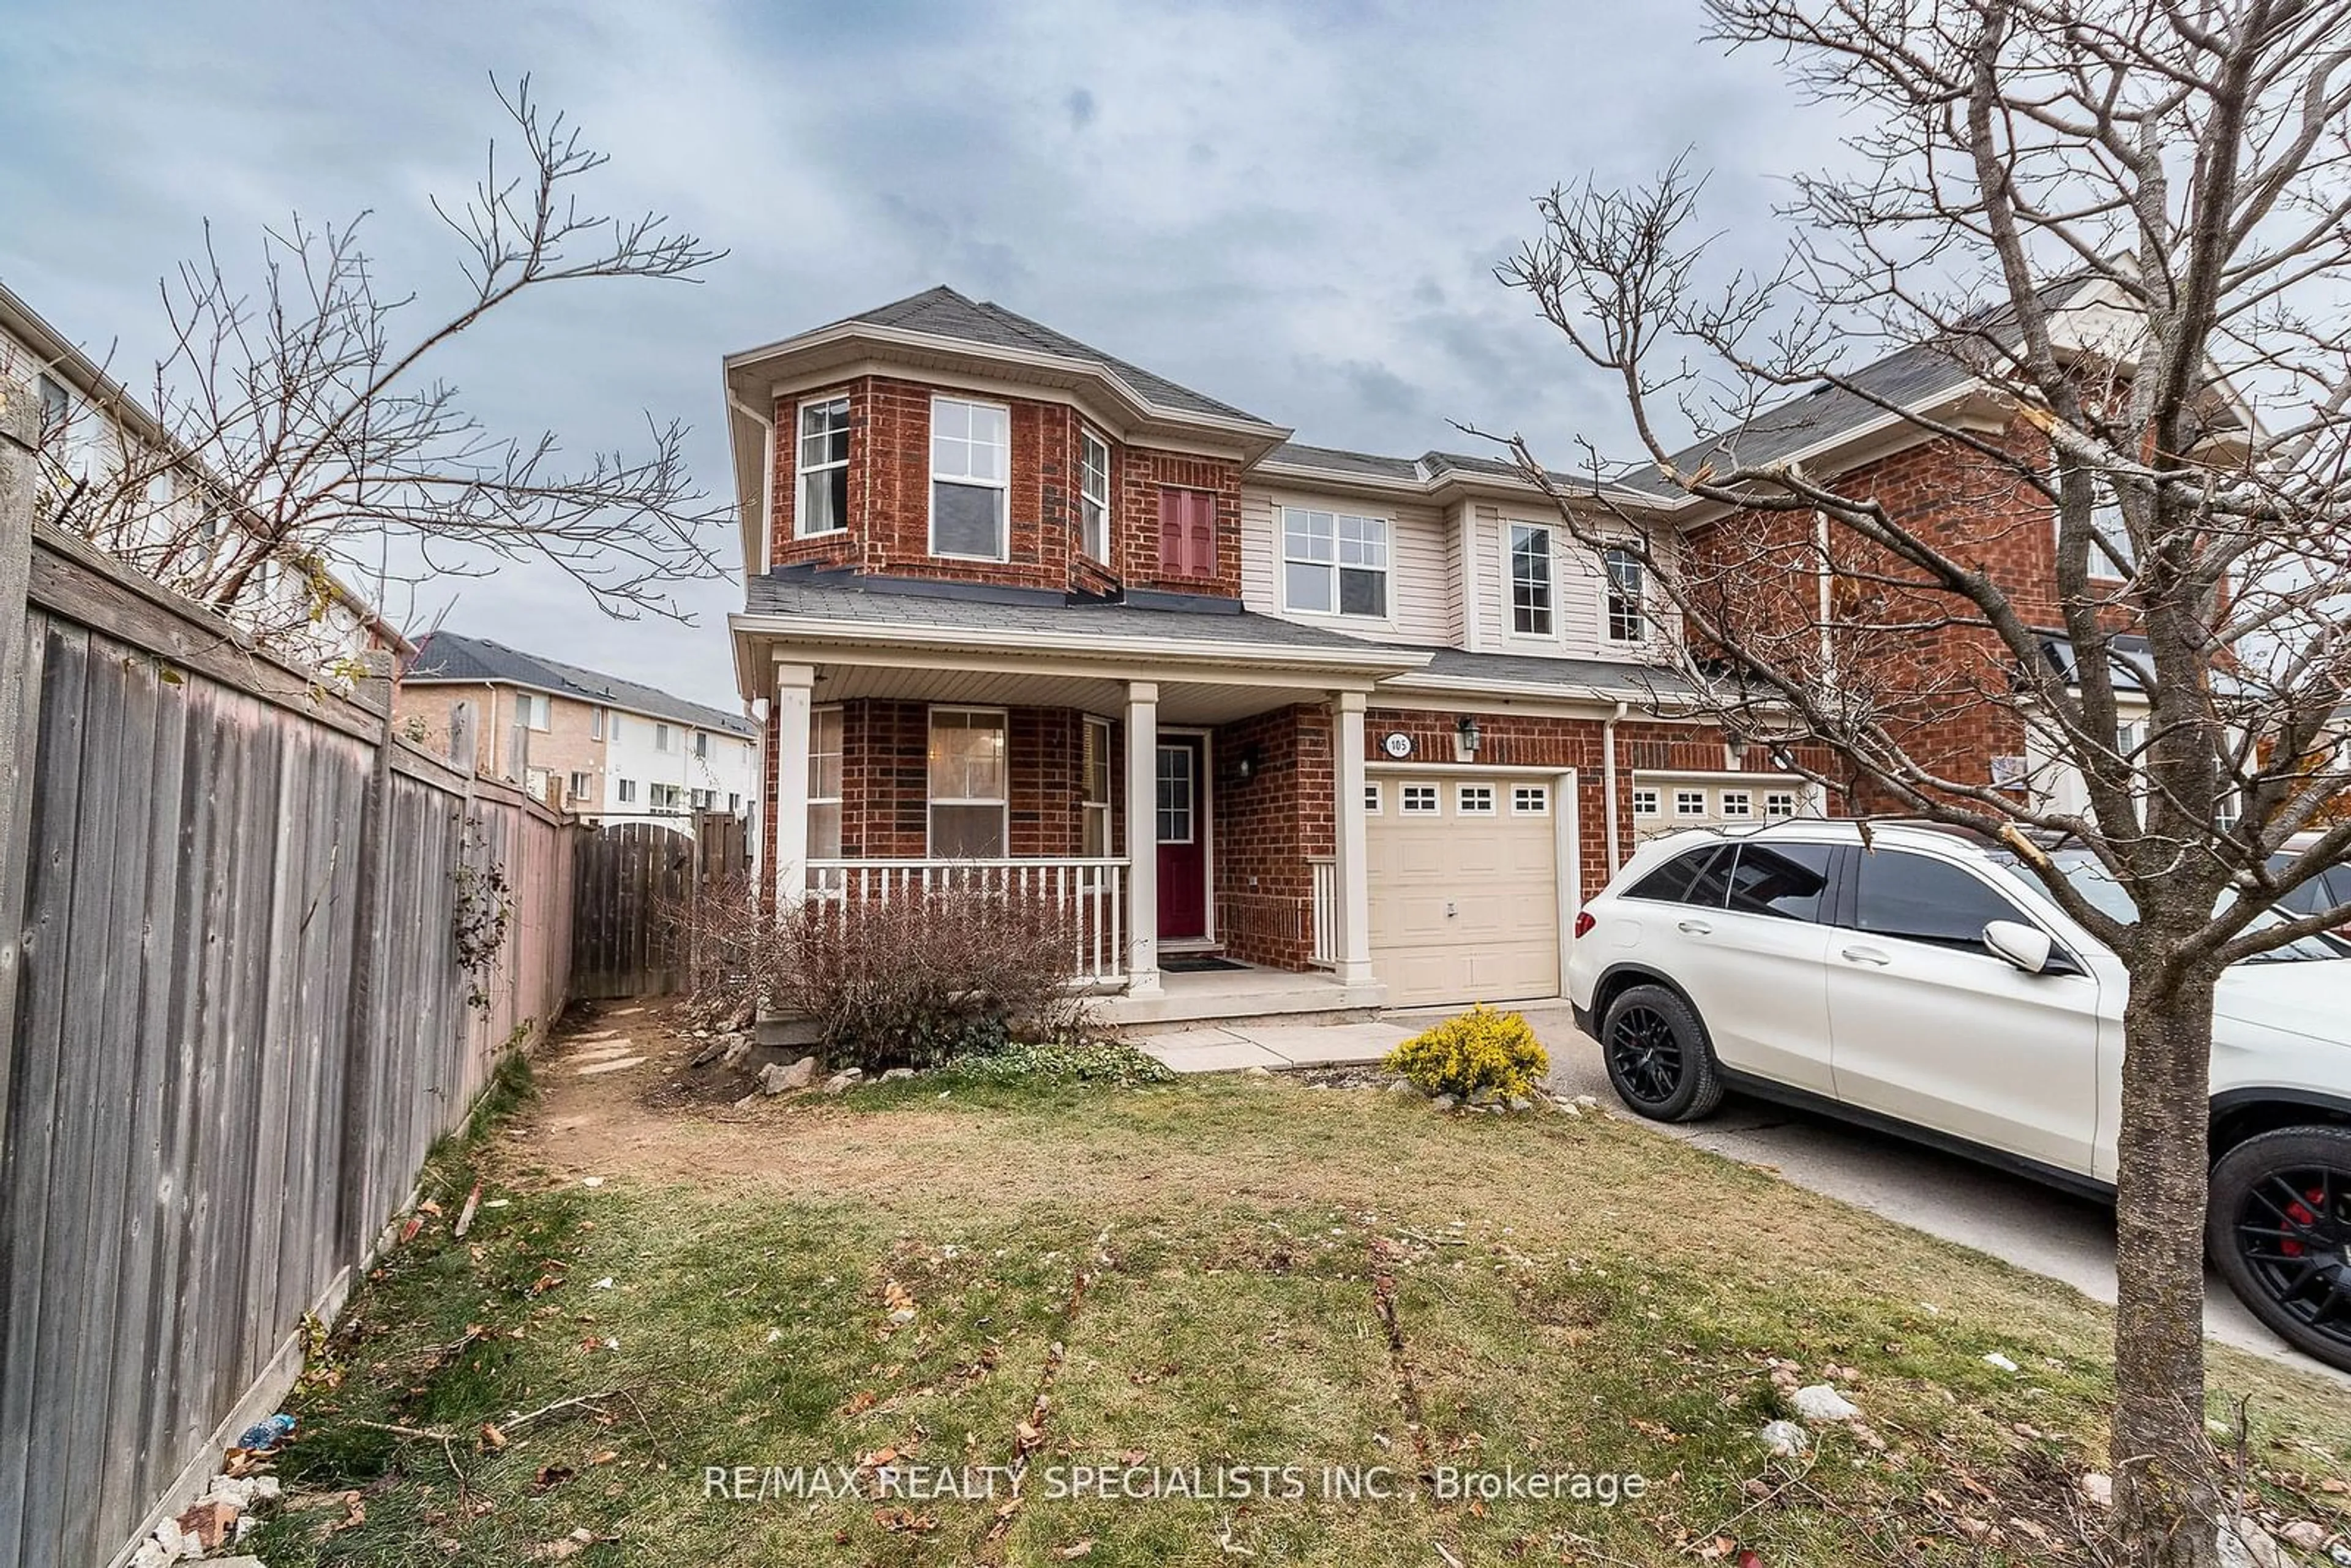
[1272,1044]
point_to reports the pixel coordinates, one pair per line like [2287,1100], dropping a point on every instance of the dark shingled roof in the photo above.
[943,313]
[1333,460]
[888,602]
[452,656]
[1907,378]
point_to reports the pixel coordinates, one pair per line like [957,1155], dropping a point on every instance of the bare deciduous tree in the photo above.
[2124,226]
[300,431]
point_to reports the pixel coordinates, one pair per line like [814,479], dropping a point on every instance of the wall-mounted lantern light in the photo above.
[1466,732]
[1246,765]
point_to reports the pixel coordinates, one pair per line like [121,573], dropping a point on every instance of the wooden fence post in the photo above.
[20,436]
[362,1043]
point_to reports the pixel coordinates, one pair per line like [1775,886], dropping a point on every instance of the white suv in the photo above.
[1926,984]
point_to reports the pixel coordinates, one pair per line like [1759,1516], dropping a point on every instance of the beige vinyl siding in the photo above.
[1424,579]
[1580,617]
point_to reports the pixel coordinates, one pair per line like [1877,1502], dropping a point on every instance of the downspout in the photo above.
[1608,780]
[767,483]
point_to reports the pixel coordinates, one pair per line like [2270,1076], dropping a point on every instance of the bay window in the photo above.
[968,794]
[971,469]
[824,785]
[1334,563]
[823,468]
[1093,496]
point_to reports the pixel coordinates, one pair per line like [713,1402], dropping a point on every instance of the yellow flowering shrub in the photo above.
[1479,1049]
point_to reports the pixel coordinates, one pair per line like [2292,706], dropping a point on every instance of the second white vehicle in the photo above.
[1927,984]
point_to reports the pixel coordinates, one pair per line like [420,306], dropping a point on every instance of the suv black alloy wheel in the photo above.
[2280,1232]
[1659,1061]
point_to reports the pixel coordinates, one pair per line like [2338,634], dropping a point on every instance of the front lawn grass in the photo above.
[1192,1279]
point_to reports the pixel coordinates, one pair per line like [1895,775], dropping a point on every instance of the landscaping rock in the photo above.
[1784,1438]
[1445,1102]
[1995,1359]
[1586,1103]
[2097,1488]
[1483,1098]
[2304,1534]
[2244,1544]
[1257,1072]
[738,1047]
[842,1082]
[778,1079]
[895,1074]
[1821,1403]
[1520,1102]
[1402,1086]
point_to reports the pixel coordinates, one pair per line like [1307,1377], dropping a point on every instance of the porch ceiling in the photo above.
[1180,701]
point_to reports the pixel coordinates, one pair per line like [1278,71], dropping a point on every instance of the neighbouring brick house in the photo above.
[1017,606]
[604,749]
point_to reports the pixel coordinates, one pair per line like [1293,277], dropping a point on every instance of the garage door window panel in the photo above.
[1920,899]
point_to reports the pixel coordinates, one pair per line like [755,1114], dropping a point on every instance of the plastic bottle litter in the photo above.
[264,1436]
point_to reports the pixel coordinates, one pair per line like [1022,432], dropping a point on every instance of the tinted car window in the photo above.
[2325,890]
[1926,900]
[1785,880]
[1671,882]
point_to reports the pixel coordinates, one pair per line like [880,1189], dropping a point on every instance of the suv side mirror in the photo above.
[2026,947]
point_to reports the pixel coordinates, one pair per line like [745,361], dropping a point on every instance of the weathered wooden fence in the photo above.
[234,1019]
[633,880]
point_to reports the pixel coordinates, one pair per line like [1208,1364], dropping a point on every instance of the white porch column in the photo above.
[795,685]
[1142,838]
[1353,962]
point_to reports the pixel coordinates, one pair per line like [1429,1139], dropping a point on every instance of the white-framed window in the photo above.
[735,802]
[1779,805]
[624,791]
[1738,803]
[1690,802]
[595,724]
[705,799]
[1093,496]
[1644,803]
[1094,766]
[56,413]
[1371,799]
[664,739]
[1530,799]
[1628,622]
[971,469]
[1334,563]
[1473,800]
[823,469]
[580,785]
[969,774]
[1419,800]
[534,709]
[667,796]
[1531,580]
[702,745]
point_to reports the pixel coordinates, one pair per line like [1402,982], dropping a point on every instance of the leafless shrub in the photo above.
[906,981]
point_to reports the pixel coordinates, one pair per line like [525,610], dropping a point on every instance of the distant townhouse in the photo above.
[605,749]
[92,428]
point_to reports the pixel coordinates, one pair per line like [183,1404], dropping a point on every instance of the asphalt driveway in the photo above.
[2022,1222]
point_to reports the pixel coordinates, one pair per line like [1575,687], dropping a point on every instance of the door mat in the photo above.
[1195,964]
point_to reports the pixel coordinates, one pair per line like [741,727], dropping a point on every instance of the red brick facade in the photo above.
[1267,827]
[889,511]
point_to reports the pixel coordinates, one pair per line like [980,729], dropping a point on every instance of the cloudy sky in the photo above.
[1295,208]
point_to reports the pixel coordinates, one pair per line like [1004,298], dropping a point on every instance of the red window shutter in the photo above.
[1203,531]
[1171,530]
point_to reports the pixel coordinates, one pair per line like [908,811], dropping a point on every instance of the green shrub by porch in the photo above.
[1479,1050]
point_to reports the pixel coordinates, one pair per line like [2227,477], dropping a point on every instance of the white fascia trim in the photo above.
[1467,686]
[1438,486]
[1034,358]
[801,629]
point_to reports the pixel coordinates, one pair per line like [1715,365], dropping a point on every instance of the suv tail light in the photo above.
[1583,923]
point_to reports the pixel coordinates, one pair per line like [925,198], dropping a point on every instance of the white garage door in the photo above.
[1465,888]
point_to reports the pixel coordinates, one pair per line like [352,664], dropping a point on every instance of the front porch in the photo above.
[1217,814]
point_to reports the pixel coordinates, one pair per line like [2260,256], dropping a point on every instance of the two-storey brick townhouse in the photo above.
[1014,603]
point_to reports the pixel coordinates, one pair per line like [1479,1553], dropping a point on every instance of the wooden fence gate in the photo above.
[631,882]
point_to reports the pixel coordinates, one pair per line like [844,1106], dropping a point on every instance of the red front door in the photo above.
[1183,832]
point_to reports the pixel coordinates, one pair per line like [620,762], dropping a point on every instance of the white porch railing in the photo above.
[1090,892]
[1325,913]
